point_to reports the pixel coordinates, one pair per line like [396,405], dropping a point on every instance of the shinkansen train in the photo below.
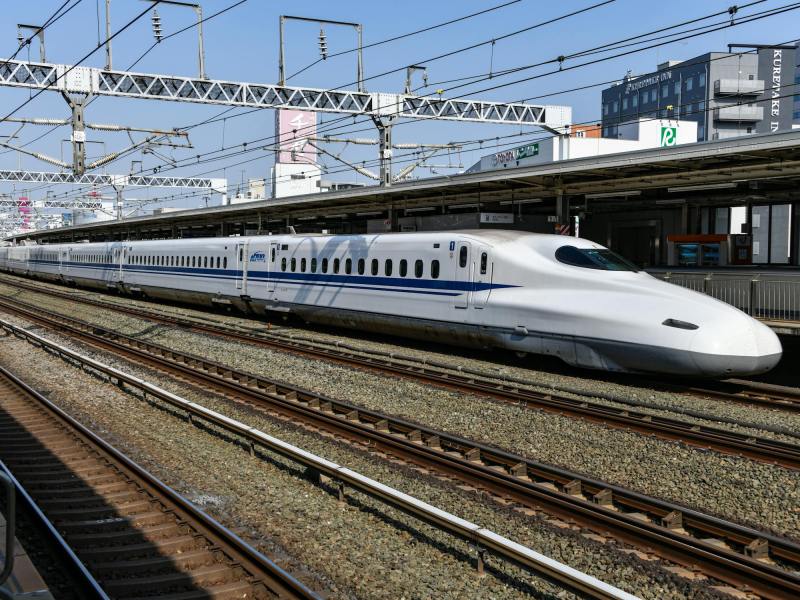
[529,293]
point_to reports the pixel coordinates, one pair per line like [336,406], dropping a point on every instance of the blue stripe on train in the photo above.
[368,282]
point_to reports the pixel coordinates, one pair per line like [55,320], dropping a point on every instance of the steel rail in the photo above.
[719,548]
[758,448]
[436,373]
[481,537]
[261,572]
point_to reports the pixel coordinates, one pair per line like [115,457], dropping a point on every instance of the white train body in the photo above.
[543,294]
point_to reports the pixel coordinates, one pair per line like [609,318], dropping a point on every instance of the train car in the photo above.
[529,293]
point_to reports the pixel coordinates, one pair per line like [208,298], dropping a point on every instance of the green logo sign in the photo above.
[669,136]
[526,151]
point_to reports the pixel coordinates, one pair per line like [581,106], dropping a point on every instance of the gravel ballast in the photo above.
[741,490]
[361,549]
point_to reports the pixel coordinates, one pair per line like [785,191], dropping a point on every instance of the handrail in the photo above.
[481,537]
[11,517]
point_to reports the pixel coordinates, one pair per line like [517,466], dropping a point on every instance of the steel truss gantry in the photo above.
[103,82]
[100,179]
[383,108]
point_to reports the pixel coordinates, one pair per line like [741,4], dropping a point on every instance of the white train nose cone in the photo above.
[741,346]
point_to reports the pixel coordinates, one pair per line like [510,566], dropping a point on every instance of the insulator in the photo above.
[156,20]
[323,44]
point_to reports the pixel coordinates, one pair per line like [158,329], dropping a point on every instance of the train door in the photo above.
[272,263]
[482,277]
[241,268]
[464,273]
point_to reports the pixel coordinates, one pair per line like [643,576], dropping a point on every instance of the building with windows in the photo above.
[727,94]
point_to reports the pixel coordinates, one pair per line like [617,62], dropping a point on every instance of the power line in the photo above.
[406,35]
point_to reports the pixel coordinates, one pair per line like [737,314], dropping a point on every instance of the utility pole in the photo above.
[384,125]
[78,132]
[322,44]
[108,35]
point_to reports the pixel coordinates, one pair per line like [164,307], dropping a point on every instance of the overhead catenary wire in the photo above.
[605,58]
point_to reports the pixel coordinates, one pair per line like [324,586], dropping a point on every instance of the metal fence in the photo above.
[763,296]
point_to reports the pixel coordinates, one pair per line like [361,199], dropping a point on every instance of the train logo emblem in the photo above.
[669,136]
[258,257]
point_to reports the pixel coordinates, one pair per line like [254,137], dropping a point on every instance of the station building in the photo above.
[727,94]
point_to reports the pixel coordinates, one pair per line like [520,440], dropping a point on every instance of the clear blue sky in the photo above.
[242,45]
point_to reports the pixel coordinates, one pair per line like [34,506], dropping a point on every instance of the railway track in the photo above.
[722,440]
[749,559]
[134,535]
[731,390]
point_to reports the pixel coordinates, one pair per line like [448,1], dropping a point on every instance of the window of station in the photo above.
[348,266]
[324,265]
[335,265]
[484,260]
[625,103]
[374,266]
[387,267]
[635,100]
[701,80]
[689,84]
[303,265]
[665,90]
[418,268]
[434,269]
[403,268]
[360,266]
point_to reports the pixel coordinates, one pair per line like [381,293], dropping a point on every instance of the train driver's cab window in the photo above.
[484,260]
[602,259]
[462,257]
[418,265]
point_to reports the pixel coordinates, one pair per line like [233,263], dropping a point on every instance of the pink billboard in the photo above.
[293,128]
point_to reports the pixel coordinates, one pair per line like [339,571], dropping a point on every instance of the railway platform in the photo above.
[25,579]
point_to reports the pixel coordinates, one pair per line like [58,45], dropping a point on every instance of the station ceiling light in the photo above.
[624,194]
[700,188]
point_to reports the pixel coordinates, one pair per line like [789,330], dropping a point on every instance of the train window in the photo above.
[324,265]
[313,265]
[403,268]
[335,265]
[387,268]
[241,254]
[272,254]
[374,266]
[205,261]
[283,264]
[348,266]
[594,258]
[360,266]
[218,261]
[418,266]
[224,262]
[434,269]
[303,265]
[194,259]
[483,263]
[462,257]
[294,265]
